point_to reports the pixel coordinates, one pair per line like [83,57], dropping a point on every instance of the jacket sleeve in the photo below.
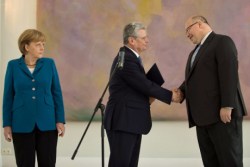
[226,56]
[8,96]
[182,88]
[136,79]
[57,95]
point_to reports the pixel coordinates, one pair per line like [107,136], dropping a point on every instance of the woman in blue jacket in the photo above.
[33,111]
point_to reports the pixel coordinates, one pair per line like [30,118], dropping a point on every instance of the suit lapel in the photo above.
[141,65]
[39,65]
[133,56]
[189,61]
[198,56]
[24,68]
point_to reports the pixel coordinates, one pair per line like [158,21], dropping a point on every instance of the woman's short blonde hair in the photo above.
[29,35]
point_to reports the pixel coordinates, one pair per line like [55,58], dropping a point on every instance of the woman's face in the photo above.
[35,49]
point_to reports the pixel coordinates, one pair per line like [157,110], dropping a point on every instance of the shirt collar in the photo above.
[137,55]
[204,38]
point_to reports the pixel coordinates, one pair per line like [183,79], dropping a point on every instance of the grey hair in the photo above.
[131,30]
[200,18]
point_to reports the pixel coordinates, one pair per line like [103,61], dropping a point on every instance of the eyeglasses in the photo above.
[189,27]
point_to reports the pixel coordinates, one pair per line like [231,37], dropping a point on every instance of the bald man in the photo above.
[213,95]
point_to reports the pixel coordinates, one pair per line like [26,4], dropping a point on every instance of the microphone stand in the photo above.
[100,106]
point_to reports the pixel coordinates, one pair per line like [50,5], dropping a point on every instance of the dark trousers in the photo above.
[124,148]
[221,144]
[42,144]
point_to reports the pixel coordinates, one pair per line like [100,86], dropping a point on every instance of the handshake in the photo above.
[177,96]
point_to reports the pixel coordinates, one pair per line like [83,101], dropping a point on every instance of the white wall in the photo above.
[1,69]
[15,17]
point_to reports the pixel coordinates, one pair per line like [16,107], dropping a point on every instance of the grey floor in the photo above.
[169,144]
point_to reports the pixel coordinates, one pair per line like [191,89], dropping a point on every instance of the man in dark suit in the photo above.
[127,115]
[213,95]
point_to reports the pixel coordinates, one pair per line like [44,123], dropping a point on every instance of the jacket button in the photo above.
[33,97]
[33,89]
[33,80]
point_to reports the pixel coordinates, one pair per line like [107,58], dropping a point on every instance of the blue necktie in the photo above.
[139,58]
[194,55]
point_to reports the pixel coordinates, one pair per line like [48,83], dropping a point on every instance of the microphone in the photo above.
[121,58]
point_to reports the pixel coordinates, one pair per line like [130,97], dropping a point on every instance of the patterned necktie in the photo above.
[194,55]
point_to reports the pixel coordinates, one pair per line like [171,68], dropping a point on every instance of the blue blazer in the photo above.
[32,99]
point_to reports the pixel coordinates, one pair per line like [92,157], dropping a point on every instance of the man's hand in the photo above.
[225,114]
[151,100]
[177,95]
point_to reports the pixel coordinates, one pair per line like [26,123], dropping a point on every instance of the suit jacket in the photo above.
[32,99]
[128,107]
[213,82]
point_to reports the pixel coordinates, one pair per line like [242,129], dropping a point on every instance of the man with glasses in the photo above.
[213,96]
[127,115]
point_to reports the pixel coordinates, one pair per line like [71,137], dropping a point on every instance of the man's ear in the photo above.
[131,40]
